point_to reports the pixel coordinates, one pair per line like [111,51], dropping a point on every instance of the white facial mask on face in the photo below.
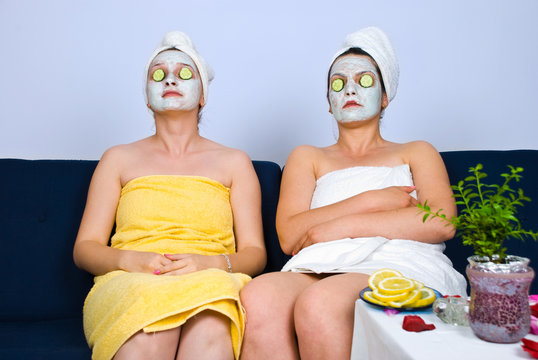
[354,102]
[172,92]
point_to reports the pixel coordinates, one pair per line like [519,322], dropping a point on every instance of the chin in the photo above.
[351,120]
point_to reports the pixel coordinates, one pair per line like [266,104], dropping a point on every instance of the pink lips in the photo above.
[351,103]
[169,93]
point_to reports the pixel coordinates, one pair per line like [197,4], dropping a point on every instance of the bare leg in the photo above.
[206,336]
[269,300]
[157,345]
[324,316]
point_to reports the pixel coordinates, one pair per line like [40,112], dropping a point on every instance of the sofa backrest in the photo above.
[41,204]
[40,210]
[495,162]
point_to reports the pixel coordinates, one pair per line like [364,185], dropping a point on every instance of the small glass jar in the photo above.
[452,310]
[499,309]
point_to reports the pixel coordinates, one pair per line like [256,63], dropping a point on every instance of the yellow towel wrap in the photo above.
[166,214]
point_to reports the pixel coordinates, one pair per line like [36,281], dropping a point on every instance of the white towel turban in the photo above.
[180,41]
[374,41]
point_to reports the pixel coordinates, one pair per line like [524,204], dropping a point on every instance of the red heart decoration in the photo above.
[416,323]
[531,347]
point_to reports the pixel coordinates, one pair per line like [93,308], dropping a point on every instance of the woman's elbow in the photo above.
[446,232]
[76,256]
[286,247]
[284,237]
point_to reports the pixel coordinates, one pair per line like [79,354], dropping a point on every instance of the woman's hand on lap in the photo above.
[144,262]
[188,263]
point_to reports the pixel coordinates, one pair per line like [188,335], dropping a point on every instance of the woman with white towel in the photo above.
[347,210]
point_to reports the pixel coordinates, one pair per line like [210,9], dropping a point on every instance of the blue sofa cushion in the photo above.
[42,340]
[269,175]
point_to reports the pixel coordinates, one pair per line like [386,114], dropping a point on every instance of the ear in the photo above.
[384,101]
[202,103]
[330,109]
[148,105]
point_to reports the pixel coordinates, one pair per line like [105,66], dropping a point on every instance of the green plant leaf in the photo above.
[487,215]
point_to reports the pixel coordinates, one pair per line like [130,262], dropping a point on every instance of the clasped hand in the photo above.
[168,264]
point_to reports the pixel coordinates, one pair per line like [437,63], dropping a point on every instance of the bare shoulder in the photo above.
[304,156]
[419,146]
[239,168]
[119,155]
[418,151]
[426,163]
[232,157]
[238,159]
[305,152]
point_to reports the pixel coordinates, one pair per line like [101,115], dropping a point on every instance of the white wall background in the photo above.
[71,72]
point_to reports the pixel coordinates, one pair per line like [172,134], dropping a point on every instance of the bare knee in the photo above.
[214,326]
[319,312]
[206,336]
[259,300]
[309,313]
[162,345]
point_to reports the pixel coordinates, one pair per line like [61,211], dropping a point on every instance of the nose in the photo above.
[351,87]
[170,80]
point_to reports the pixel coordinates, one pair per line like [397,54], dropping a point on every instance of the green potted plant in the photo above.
[499,308]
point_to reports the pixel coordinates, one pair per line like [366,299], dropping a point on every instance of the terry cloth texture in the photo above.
[166,214]
[417,260]
[374,41]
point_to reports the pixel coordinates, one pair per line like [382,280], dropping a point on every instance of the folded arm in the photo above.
[389,212]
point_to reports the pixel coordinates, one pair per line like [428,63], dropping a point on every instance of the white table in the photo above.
[377,336]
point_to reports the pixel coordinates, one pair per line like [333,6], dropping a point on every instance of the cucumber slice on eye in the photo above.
[185,73]
[337,85]
[158,75]
[366,81]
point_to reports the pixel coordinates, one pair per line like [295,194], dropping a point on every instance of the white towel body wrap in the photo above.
[417,260]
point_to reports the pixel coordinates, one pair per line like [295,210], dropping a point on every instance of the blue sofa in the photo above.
[41,204]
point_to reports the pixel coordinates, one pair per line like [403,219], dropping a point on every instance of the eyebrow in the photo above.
[359,73]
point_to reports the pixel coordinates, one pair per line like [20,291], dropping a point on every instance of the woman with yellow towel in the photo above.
[188,228]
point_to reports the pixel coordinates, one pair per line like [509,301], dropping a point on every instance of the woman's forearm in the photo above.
[250,260]
[405,223]
[292,228]
[96,258]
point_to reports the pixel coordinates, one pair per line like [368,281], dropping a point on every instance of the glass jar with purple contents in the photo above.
[499,310]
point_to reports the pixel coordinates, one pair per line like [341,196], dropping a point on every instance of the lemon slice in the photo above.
[388,298]
[379,275]
[185,73]
[368,296]
[158,75]
[427,296]
[409,300]
[395,285]
[337,85]
[366,80]
[418,284]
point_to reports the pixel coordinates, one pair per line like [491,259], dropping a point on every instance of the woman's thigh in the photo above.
[206,336]
[269,300]
[324,312]
[157,345]
[274,294]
